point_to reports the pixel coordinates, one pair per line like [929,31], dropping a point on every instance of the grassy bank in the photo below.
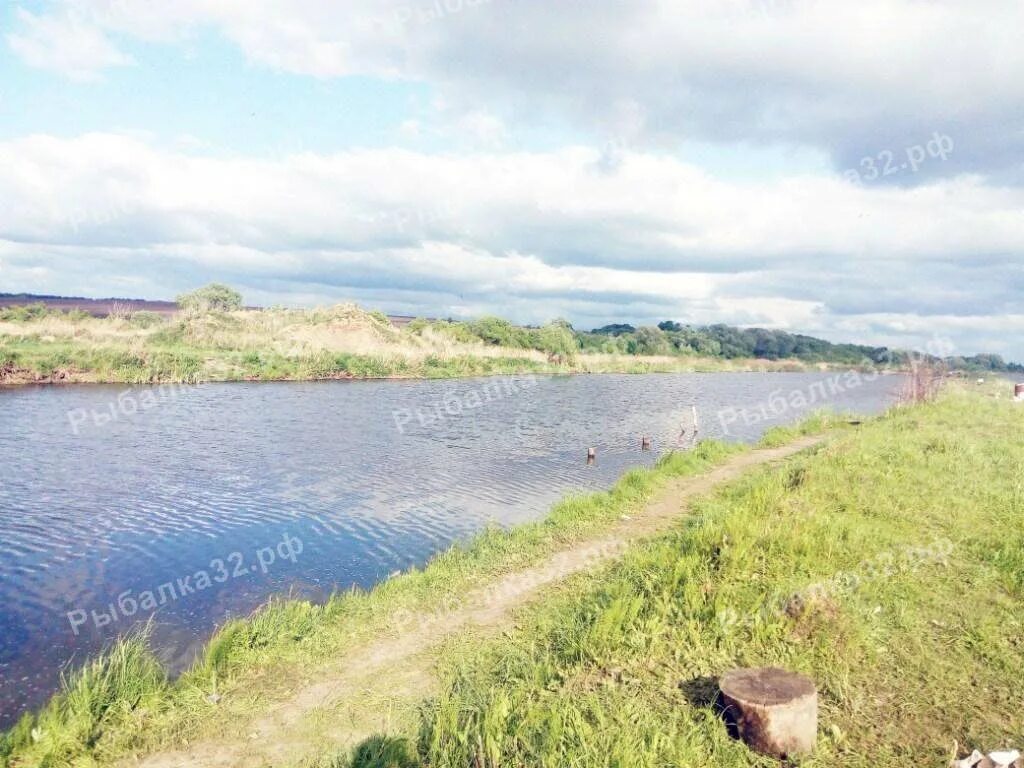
[888,567]
[279,344]
[123,702]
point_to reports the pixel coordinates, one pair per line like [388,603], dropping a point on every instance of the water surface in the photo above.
[369,477]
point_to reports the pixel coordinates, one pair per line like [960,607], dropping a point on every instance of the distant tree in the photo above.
[670,326]
[649,341]
[215,297]
[615,329]
[495,330]
[557,338]
[985,362]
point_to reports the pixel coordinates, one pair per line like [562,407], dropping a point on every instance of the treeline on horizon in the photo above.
[670,338]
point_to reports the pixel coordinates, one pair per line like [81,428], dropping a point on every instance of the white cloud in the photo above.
[531,234]
[654,212]
[66,43]
[481,129]
[851,78]
[629,232]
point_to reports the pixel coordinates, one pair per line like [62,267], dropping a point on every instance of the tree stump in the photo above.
[773,711]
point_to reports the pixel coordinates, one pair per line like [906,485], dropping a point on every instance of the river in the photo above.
[306,488]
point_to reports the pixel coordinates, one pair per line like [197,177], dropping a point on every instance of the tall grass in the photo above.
[121,688]
[912,646]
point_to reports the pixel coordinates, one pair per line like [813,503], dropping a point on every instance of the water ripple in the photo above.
[223,472]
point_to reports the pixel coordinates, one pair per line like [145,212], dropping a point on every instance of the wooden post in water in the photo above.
[775,712]
[591,455]
[645,443]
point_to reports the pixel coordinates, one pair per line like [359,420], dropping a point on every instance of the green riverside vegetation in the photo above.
[122,702]
[213,337]
[888,565]
[207,343]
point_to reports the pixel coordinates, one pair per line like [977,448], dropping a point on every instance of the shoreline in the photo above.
[18,378]
[347,343]
[439,585]
[270,683]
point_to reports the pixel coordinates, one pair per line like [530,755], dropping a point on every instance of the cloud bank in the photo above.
[611,225]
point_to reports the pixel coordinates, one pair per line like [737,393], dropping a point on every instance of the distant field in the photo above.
[95,307]
[105,307]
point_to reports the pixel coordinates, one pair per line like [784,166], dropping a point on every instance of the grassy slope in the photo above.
[889,567]
[122,702]
[339,342]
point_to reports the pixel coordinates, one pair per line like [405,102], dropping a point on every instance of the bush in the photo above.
[460,332]
[24,312]
[495,330]
[649,341]
[146,319]
[557,338]
[215,297]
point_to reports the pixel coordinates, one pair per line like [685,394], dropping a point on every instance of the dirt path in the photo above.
[360,695]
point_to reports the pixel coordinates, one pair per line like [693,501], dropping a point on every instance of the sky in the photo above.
[851,170]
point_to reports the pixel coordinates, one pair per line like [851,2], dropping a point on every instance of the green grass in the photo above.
[166,361]
[115,687]
[122,702]
[180,362]
[50,359]
[888,567]
[283,345]
[815,423]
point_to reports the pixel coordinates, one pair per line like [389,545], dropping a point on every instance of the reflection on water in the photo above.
[370,477]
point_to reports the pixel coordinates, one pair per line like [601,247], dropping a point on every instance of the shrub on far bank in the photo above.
[215,297]
[24,313]
[146,319]
[418,325]
[556,338]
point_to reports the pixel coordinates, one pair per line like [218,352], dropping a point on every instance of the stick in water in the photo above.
[682,428]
